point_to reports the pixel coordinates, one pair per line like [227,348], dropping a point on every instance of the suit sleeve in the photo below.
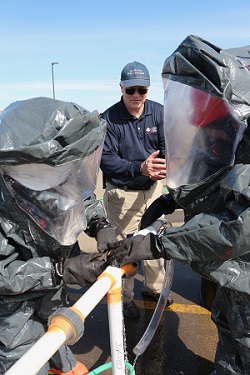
[216,236]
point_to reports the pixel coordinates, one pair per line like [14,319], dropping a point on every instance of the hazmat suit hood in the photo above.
[50,153]
[207,134]
[206,111]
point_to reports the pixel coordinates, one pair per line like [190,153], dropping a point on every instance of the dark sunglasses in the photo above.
[132,90]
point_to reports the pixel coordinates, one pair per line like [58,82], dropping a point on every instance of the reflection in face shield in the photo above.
[217,128]
[206,108]
[218,143]
[53,197]
[201,134]
[59,211]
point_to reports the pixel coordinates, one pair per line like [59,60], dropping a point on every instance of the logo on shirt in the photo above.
[151,130]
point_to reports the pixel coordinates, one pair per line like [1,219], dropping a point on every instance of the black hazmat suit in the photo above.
[207,116]
[49,159]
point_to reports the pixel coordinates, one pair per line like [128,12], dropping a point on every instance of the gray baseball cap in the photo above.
[135,74]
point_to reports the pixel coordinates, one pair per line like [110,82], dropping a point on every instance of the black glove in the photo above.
[103,237]
[101,229]
[82,269]
[163,205]
[133,249]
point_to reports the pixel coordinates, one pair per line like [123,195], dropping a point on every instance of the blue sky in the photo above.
[93,40]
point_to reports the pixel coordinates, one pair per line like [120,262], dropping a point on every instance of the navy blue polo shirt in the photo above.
[129,141]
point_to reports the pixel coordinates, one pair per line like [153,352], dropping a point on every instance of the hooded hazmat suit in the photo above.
[207,133]
[49,159]
[216,195]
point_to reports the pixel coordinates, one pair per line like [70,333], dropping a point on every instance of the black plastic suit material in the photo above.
[198,63]
[62,138]
[217,210]
[47,133]
[226,224]
[215,237]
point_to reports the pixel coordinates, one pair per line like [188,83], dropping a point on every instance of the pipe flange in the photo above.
[70,322]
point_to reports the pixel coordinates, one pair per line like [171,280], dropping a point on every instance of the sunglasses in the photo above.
[132,90]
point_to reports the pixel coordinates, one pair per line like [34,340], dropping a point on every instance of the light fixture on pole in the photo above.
[52,68]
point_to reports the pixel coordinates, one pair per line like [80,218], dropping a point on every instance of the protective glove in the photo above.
[163,205]
[101,229]
[104,236]
[83,269]
[133,249]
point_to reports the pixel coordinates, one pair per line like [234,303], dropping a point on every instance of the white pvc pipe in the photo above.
[116,329]
[97,291]
[33,360]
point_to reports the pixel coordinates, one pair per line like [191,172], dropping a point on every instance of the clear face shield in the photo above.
[201,133]
[53,197]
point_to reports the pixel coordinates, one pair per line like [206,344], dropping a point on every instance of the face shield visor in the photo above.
[53,197]
[201,133]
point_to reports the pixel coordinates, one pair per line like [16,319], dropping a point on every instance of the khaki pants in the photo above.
[124,210]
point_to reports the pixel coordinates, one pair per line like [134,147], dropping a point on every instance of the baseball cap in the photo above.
[135,74]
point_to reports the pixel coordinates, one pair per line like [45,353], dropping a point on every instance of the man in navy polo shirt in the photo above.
[133,165]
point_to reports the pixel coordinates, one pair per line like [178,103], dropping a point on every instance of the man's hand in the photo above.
[154,167]
[133,249]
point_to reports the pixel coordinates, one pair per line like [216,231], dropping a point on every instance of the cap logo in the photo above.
[135,71]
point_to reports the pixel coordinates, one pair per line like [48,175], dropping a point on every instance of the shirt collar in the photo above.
[126,115]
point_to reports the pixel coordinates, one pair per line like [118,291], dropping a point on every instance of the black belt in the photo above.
[143,188]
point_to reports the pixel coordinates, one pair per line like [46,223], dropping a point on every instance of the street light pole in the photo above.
[53,86]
